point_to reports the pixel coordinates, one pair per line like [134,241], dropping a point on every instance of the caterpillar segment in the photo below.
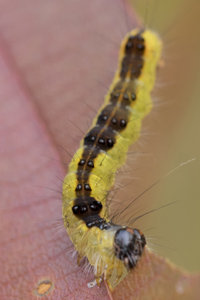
[102,151]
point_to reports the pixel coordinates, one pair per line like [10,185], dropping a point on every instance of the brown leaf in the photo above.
[157,278]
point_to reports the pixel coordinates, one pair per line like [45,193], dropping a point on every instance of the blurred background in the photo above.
[171,134]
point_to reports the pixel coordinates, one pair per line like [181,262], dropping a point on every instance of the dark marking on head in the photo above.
[128,246]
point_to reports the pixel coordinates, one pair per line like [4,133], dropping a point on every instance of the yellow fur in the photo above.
[96,244]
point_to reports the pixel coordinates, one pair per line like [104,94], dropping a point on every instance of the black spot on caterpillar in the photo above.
[103,150]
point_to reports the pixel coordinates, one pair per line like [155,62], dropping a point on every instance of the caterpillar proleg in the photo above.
[102,151]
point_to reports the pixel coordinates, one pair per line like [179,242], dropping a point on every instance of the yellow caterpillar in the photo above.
[102,151]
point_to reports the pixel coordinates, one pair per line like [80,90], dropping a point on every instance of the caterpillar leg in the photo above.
[79,258]
[107,273]
[120,271]
[98,279]
[96,282]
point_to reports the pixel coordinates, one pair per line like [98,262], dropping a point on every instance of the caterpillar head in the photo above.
[128,246]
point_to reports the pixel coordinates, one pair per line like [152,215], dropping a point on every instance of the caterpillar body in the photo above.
[102,151]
